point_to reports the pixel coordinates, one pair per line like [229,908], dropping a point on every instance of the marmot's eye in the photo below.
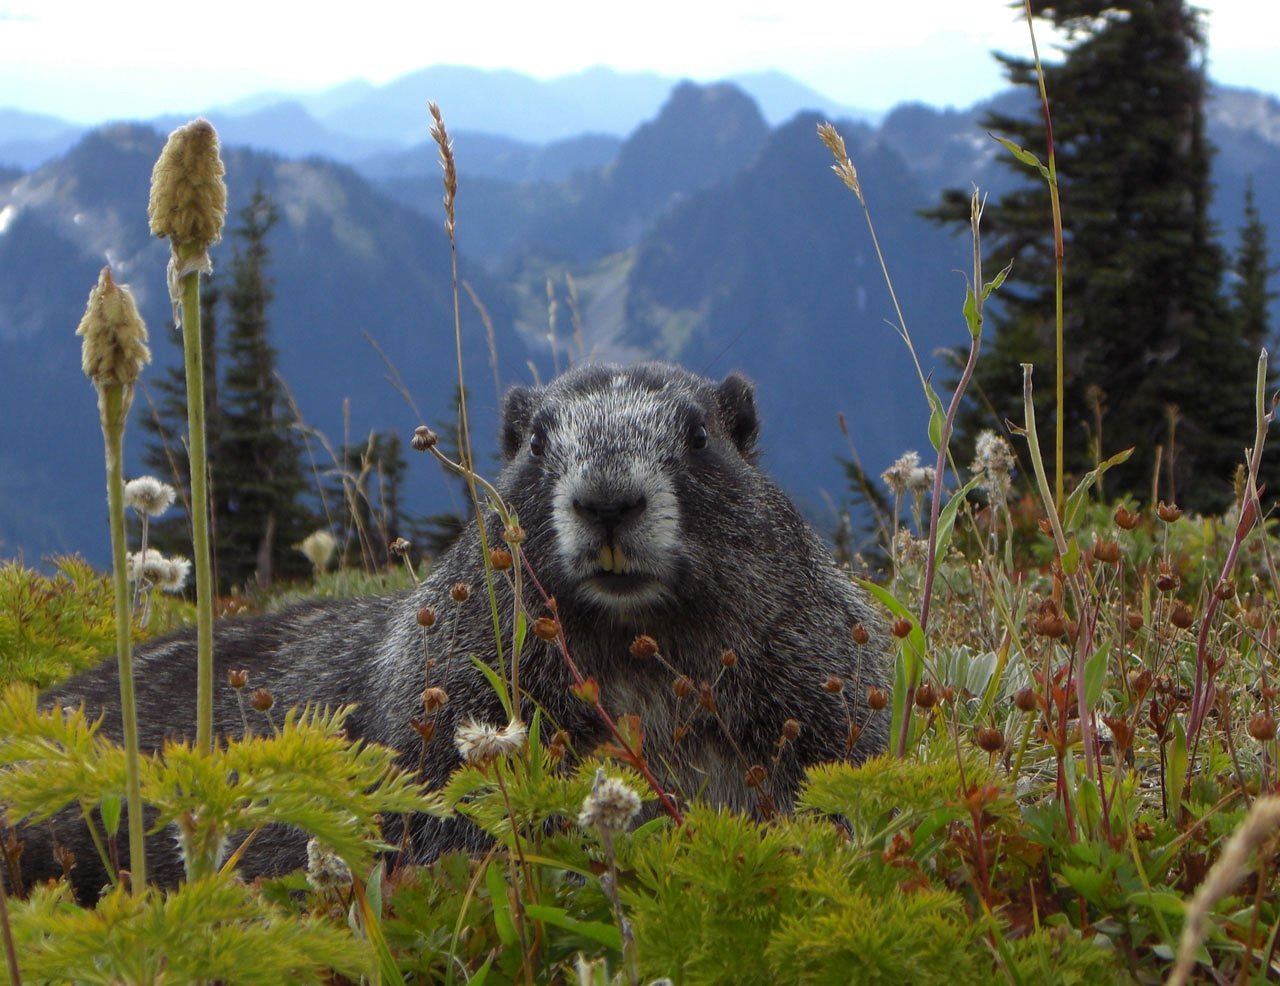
[537,443]
[698,437]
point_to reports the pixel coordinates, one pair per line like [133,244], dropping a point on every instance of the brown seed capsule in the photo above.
[1256,617]
[706,698]
[860,634]
[1025,700]
[237,678]
[1180,615]
[682,686]
[500,559]
[1125,518]
[854,732]
[460,591]
[400,547]
[755,775]
[790,729]
[1168,582]
[901,627]
[261,700]
[1106,552]
[1048,622]
[1226,589]
[1143,832]
[545,628]
[514,534]
[424,729]
[1262,727]
[644,646]
[926,696]
[423,438]
[1168,512]
[989,738]
[1134,619]
[426,616]
[728,659]
[834,685]
[434,699]
[1140,681]
[877,699]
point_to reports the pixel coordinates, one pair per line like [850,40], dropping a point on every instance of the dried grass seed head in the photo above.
[843,167]
[993,460]
[188,195]
[898,476]
[479,743]
[115,337]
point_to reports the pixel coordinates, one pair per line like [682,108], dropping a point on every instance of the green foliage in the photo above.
[215,929]
[52,626]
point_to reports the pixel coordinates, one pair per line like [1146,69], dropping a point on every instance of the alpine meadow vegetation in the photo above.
[1082,784]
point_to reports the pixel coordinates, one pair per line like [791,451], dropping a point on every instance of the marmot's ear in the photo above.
[736,398]
[517,410]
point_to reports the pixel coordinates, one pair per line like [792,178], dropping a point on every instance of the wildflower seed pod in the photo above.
[611,805]
[545,628]
[500,559]
[790,730]
[188,202]
[460,592]
[1224,590]
[834,685]
[1125,518]
[1262,727]
[434,699]
[755,775]
[237,678]
[1048,621]
[115,337]
[1134,619]
[707,698]
[423,439]
[1180,615]
[1025,700]
[426,617]
[1106,552]
[682,686]
[148,496]
[852,738]
[901,627]
[728,659]
[860,634]
[926,696]
[1168,512]
[877,699]
[400,547]
[644,646]
[989,739]
[514,534]
[261,700]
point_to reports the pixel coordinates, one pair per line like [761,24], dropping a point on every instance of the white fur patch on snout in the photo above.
[645,547]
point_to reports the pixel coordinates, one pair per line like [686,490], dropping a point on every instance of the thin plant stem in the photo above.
[6,932]
[193,354]
[115,408]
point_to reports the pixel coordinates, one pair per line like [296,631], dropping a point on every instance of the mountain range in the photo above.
[707,229]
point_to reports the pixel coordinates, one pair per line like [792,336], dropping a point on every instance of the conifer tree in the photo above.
[258,465]
[1251,291]
[1150,342]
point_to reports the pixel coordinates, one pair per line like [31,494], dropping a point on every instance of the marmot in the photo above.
[645,513]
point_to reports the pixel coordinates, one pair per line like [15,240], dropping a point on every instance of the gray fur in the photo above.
[712,556]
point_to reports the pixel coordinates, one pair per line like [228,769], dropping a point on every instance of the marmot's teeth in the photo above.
[612,560]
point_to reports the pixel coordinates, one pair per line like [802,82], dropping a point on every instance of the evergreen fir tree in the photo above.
[1251,291]
[257,462]
[1146,321]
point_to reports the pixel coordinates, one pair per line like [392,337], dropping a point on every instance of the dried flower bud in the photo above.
[1143,832]
[682,686]
[426,616]
[188,196]
[148,496]
[1106,552]
[1256,617]
[901,627]
[1168,512]
[480,743]
[401,547]
[854,732]
[860,634]
[425,730]
[926,696]
[834,685]
[237,678]
[728,659]
[115,337]
[1262,727]
[611,805]
[1025,700]
[423,439]
[755,775]
[790,729]
[1134,619]
[644,646]
[1048,621]
[1226,589]
[515,534]
[261,700]
[1125,518]
[1168,582]
[706,698]
[1180,615]
[989,738]
[500,559]
[546,628]
[1140,681]
[460,592]
[434,699]
[877,699]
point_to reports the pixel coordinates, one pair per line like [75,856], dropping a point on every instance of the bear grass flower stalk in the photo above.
[113,354]
[188,205]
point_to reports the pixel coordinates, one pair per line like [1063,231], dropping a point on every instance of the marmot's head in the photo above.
[630,482]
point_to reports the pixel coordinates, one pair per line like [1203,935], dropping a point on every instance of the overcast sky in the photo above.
[89,60]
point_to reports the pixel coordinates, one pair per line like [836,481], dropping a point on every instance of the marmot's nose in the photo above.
[610,514]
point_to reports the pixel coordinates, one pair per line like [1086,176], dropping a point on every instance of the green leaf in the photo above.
[497,684]
[995,283]
[598,931]
[1175,774]
[1095,675]
[972,315]
[947,519]
[502,919]
[1024,156]
[1077,498]
[1071,560]
[937,416]
[110,809]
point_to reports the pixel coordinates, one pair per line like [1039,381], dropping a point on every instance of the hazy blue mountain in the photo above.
[29,139]
[780,97]
[345,262]
[773,272]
